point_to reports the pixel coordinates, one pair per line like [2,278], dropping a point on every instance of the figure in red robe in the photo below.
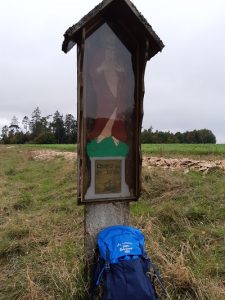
[109,81]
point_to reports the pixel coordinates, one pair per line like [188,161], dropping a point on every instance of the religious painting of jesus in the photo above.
[109,109]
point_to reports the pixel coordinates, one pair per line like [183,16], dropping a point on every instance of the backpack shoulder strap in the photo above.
[151,266]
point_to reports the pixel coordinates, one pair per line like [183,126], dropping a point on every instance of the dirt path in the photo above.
[185,164]
[51,154]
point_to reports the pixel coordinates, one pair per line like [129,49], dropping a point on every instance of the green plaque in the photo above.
[107,176]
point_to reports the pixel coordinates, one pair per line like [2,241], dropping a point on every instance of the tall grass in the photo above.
[182,216]
[41,229]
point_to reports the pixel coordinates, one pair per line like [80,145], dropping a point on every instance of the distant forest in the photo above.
[52,129]
[59,129]
[202,136]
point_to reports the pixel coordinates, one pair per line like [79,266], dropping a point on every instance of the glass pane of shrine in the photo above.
[109,118]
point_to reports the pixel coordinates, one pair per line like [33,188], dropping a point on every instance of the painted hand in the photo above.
[116,142]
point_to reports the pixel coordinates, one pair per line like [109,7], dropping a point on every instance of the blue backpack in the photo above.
[123,267]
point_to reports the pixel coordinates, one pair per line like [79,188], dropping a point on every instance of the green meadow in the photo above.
[179,150]
[156,149]
[41,227]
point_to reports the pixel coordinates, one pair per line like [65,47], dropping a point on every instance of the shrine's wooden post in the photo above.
[114,42]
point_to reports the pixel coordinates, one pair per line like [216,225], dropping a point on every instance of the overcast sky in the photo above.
[185,83]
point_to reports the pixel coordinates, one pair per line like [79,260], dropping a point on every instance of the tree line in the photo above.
[51,129]
[202,136]
[57,129]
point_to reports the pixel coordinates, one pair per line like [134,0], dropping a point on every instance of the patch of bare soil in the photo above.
[51,154]
[185,164]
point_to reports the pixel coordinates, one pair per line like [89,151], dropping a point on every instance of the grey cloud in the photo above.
[184,84]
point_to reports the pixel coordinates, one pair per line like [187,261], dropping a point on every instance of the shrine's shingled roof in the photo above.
[70,36]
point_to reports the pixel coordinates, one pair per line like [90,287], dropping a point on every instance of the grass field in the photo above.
[41,228]
[59,147]
[184,149]
[158,149]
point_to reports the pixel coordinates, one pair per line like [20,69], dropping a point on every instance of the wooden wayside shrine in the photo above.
[114,42]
